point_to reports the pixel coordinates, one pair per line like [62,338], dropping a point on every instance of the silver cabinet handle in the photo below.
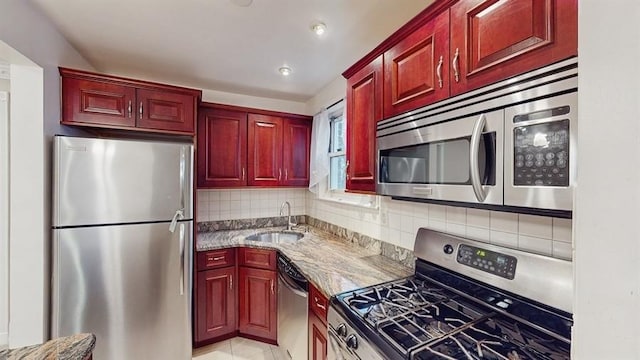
[230,282]
[218,258]
[474,149]
[243,174]
[141,111]
[272,288]
[346,169]
[455,65]
[130,108]
[279,174]
[439,72]
[286,174]
[315,298]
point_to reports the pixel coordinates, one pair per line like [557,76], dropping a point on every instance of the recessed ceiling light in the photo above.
[243,3]
[319,28]
[285,70]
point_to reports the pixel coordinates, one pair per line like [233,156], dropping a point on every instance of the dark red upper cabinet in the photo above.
[99,103]
[265,150]
[222,148]
[364,110]
[240,146]
[416,70]
[97,100]
[296,152]
[165,111]
[494,39]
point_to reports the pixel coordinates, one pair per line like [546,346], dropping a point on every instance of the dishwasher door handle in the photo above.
[294,288]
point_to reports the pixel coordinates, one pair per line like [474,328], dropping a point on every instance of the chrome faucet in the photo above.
[289,223]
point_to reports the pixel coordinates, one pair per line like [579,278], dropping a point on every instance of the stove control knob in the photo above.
[342,330]
[448,249]
[352,341]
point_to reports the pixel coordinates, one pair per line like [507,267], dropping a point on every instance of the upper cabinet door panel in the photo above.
[364,107]
[296,152]
[222,148]
[265,150]
[165,111]
[495,39]
[416,69]
[101,103]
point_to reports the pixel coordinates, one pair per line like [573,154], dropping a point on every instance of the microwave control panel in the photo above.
[488,261]
[541,154]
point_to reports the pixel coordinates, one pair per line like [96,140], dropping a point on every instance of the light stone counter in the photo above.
[331,264]
[74,347]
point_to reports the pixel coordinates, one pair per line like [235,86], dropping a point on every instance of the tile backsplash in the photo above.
[395,222]
[223,204]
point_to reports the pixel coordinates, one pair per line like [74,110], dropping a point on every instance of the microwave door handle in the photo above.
[474,149]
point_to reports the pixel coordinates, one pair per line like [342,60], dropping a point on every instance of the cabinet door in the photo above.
[296,152]
[416,69]
[494,39]
[364,109]
[258,303]
[317,338]
[216,303]
[222,148]
[265,150]
[99,103]
[164,110]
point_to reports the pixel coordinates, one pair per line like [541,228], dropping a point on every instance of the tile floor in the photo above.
[239,349]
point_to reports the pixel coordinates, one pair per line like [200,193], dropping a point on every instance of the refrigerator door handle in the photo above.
[181,259]
[179,215]
[183,187]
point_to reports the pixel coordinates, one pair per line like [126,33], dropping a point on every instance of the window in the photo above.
[337,150]
[334,188]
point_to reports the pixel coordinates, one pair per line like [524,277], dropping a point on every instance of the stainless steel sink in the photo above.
[278,237]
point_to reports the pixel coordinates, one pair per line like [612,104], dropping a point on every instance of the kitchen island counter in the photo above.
[74,347]
[332,264]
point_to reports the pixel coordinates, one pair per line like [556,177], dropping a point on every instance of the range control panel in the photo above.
[488,261]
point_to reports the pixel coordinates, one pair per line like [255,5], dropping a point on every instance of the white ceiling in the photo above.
[214,44]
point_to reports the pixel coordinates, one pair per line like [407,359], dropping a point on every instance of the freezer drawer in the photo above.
[127,284]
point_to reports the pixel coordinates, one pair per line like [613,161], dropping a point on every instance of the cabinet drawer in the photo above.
[216,259]
[318,303]
[257,258]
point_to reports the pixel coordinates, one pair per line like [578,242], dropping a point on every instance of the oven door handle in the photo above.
[474,166]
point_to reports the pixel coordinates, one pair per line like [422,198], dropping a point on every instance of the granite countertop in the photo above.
[331,264]
[74,347]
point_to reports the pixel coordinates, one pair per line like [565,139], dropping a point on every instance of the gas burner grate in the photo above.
[379,303]
[499,338]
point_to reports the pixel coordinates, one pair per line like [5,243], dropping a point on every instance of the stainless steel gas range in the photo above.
[466,300]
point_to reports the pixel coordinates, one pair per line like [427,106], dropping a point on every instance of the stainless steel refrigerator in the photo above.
[122,240]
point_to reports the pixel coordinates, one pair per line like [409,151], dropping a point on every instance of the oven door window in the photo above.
[439,162]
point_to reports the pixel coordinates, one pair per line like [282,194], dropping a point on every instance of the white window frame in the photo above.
[341,195]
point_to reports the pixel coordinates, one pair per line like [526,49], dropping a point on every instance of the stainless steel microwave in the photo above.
[511,144]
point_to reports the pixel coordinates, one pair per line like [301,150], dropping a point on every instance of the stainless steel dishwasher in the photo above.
[292,310]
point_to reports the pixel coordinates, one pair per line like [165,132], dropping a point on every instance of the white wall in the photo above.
[256,102]
[36,90]
[607,208]
[4,213]
[334,91]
